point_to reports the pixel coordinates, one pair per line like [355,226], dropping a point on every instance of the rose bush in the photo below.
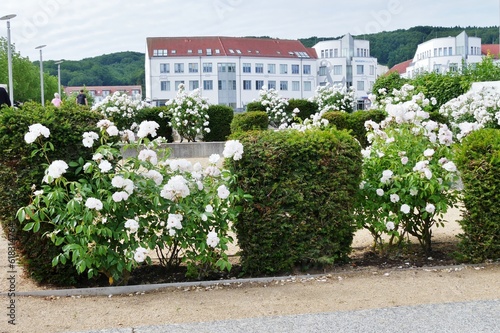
[472,111]
[189,114]
[120,208]
[408,173]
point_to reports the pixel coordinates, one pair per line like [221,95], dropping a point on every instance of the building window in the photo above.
[337,70]
[437,68]
[177,83]
[231,68]
[306,69]
[194,84]
[322,53]
[436,52]
[336,53]
[372,70]
[453,67]
[193,67]
[360,85]
[283,85]
[259,84]
[247,85]
[259,68]
[271,84]
[222,85]
[164,86]
[295,85]
[179,68]
[322,70]
[450,51]
[221,68]
[295,69]
[283,69]
[307,86]
[207,67]
[247,68]
[164,68]
[445,51]
[360,69]
[271,68]
[208,85]
[231,84]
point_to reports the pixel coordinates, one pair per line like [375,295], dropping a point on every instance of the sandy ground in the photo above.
[345,290]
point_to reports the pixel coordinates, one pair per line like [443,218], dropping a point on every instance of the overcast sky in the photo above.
[75,30]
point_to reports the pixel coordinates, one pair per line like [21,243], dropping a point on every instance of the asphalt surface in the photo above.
[477,317]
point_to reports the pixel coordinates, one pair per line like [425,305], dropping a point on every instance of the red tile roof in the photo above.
[401,67]
[229,46]
[493,49]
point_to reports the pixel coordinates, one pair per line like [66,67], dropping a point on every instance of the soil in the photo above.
[370,280]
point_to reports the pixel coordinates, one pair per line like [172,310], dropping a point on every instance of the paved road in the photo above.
[477,317]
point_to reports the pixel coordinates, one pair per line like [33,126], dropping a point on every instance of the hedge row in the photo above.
[301,212]
[478,159]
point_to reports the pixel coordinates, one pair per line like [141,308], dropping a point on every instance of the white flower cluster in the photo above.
[275,107]
[188,113]
[233,149]
[334,98]
[55,170]
[473,110]
[119,105]
[34,131]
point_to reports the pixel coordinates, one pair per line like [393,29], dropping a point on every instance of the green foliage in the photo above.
[307,108]
[354,122]
[120,68]
[250,120]
[221,117]
[26,76]
[302,184]
[478,159]
[19,170]
[255,106]
[443,87]
[486,70]
[387,83]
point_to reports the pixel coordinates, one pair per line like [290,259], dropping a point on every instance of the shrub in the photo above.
[221,117]
[307,108]
[120,108]
[302,184]
[158,114]
[188,113]
[255,106]
[478,159]
[355,122]
[248,121]
[20,170]
[334,98]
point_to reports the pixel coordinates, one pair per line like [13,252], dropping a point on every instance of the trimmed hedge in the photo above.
[19,171]
[478,160]
[307,108]
[355,122]
[302,209]
[255,106]
[248,121]
[220,120]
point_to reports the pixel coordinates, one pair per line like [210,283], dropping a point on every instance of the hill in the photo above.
[127,68]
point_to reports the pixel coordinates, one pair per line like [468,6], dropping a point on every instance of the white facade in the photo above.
[228,71]
[347,61]
[443,55]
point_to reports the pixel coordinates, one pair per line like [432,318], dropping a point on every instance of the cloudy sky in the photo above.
[75,30]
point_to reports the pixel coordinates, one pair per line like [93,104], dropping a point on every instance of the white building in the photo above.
[228,70]
[347,61]
[447,54]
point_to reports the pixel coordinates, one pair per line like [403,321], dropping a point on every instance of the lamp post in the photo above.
[41,71]
[9,56]
[58,63]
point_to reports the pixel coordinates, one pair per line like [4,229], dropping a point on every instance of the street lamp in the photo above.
[9,56]
[41,71]
[58,63]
